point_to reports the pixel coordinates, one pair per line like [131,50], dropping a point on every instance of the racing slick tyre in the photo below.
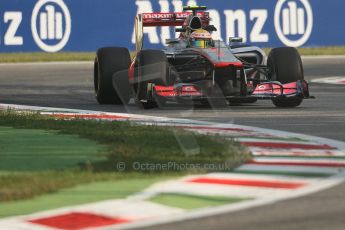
[287,102]
[152,69]
[108,62]
[286,66]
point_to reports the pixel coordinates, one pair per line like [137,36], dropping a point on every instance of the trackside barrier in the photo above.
[85,25]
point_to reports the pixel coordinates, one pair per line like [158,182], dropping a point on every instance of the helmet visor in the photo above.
[200,43]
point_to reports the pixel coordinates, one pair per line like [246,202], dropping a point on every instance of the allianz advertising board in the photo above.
[85,25]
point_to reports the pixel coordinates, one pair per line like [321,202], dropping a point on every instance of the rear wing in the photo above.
[171,19]
[163,19]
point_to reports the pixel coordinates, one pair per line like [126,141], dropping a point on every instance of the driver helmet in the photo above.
[200,39]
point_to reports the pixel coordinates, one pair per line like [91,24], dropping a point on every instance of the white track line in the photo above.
[207,212]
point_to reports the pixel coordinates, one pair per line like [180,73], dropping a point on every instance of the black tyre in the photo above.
[286,66]
[287,102]
[108,62]
[152,68]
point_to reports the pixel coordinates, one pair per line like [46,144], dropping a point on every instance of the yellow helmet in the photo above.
[200,39]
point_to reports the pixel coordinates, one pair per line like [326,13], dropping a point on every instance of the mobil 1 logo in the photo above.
[51,25]
[293,21]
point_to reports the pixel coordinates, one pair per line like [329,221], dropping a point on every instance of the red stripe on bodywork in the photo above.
[227,64]
[170,91]
[165,91]
[275,145]
[89,116]
[249,183]
[277,89]
[167,94]
[131,71]
[75,220]
[310,164]
[164,88]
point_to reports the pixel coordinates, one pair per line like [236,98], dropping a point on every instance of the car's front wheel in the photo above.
[109,62]
[285,66]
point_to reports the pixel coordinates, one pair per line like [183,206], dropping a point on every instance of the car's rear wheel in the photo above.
[108,62]
[286,66]
[152,69]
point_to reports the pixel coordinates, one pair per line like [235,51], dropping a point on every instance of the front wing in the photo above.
[266,90]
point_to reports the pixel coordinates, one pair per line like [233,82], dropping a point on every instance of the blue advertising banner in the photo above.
[85,25]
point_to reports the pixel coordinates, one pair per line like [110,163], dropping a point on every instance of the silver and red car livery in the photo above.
[234,73]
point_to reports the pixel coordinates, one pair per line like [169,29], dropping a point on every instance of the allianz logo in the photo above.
[293,18]
[50,26]
[293,22]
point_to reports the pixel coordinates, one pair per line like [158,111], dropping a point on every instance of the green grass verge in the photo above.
[27,149]
[46,57]
[330,50]
[89,56]
[80,194]
[190,202]
[110,143]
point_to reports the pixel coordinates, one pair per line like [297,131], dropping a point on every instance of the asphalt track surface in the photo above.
[70,85]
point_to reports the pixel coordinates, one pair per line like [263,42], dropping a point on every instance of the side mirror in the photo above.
[182,30]
[235,39]
[210,28]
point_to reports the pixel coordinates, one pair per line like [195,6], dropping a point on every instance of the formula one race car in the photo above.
[195,67]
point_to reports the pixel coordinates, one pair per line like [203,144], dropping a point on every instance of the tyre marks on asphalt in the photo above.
[330,80]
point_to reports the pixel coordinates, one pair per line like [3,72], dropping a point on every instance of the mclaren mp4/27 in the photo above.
[195,67]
